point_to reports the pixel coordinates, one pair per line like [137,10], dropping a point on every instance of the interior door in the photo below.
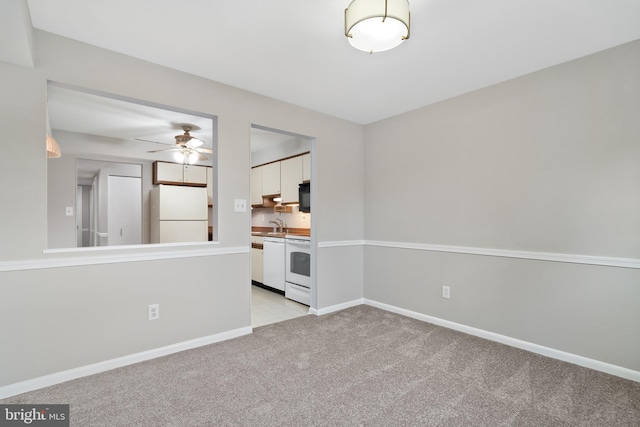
[124,211]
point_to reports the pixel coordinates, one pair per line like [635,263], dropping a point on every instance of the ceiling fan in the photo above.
[187,147]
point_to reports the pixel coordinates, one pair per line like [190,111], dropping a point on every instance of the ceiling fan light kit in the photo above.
[187,138]
[186,149]
[377,25]
[187,156]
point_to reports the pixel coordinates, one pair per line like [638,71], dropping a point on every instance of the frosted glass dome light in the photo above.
[178,156]
[377,25]
[192,157]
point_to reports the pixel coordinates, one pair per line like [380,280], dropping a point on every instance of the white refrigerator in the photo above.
[178,214]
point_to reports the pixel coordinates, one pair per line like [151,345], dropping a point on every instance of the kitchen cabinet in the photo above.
[270,179]
[306,167]
[279,178]
[256,186]
[179,174]
[193,174]
[167,173]
[257,253]
[290,177]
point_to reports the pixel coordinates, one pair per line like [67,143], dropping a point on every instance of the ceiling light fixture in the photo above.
[186,156]
[377,25]
[53,149]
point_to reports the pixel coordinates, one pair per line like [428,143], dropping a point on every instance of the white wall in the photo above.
[66,310]
[548,163]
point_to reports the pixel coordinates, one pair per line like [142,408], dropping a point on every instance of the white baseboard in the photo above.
[513,342]
[95,368]
[337,307]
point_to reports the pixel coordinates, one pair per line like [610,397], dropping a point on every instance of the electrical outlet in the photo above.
[154,311]
[68,211]
[446,292]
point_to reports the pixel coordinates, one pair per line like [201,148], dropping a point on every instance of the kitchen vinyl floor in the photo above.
[269,307]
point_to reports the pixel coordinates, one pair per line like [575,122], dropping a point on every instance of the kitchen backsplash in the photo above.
[260,217]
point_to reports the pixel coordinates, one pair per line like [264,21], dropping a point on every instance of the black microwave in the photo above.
[304,197]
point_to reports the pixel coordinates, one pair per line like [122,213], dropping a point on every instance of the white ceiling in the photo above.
[91,113]
[81,111]
[296,51]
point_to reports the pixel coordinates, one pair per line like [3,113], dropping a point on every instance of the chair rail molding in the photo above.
[504,253]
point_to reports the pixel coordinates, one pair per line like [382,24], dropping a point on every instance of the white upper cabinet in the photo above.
[271,179]
[279,178]
[256,186]
[306,167]
[290,177]
[168,173]
[195,174]
[179,174]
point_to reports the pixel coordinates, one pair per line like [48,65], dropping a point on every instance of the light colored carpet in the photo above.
[359,366]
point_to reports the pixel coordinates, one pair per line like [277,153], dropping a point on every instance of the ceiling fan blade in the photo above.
[147,140]
[203,150]
[200,155]
[164,149]
[194,142]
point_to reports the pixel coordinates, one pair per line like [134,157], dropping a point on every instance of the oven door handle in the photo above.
[299,242]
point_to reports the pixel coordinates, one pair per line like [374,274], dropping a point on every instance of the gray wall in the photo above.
[81,311]
[545,163]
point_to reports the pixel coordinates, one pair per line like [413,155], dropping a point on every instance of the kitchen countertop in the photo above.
[268,232]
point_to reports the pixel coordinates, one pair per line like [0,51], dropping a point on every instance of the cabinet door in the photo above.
[271,179]
[256,186]
[290,177]
[168,173]
[256,265]
[195,174]
[306,167]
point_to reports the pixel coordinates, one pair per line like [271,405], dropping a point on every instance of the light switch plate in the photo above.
[240,205]
[68,211]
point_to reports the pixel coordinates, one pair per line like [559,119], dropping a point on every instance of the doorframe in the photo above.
[313,224]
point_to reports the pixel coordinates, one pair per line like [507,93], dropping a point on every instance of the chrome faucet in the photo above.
[277,224]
